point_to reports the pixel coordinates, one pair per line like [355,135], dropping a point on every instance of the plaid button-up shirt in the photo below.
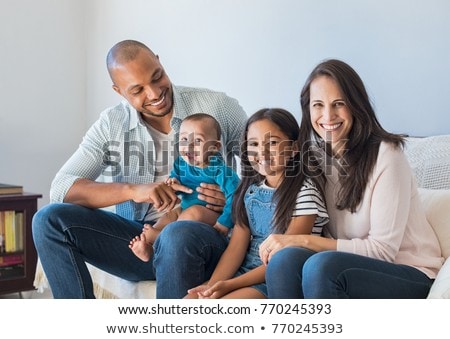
[119,148]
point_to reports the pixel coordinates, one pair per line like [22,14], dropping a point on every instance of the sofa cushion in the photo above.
[437,208]
[441,286]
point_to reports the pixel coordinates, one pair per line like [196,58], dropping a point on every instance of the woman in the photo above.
[378,243]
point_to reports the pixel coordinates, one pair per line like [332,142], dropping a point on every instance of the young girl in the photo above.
[278,193]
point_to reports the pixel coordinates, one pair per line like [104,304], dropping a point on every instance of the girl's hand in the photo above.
[216,291]
[196,292]
[213,195]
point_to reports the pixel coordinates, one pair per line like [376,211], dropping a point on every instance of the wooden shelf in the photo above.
[16,276]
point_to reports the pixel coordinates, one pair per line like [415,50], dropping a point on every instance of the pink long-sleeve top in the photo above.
[390,222]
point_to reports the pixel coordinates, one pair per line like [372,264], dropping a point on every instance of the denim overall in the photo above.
[260,210]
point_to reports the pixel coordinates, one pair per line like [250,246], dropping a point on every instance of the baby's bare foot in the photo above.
[141,248]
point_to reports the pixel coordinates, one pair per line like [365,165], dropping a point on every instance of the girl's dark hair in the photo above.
[366,134]
[297,169]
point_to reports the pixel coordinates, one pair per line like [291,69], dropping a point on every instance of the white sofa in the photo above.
[430,160]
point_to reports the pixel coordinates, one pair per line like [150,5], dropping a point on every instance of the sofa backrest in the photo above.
[430,161]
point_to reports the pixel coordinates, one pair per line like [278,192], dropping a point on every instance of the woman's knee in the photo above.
[287,261]
[322,262]
[321,269]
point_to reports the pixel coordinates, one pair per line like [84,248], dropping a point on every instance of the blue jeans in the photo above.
[298,273]
[67,235]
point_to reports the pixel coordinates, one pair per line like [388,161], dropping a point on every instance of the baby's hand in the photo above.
[176,186]
[171,181]
[221,229]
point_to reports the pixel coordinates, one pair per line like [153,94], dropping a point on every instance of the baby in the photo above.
[200,161]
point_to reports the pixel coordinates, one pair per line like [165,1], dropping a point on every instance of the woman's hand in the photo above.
[213,196]
[276,242]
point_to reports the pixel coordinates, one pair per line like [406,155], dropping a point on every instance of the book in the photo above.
[10,260]
[10,189]
[2,232]
[10,231]
[18,228]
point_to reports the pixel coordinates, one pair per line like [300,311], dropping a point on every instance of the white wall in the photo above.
[261,51]
[53,80]
[42,89]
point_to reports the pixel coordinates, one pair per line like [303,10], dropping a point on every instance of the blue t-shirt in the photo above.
[217,172]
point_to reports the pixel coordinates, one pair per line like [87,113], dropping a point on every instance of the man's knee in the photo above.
[41,221]
[177,234]
[52,214]
[43,216]
[183,237]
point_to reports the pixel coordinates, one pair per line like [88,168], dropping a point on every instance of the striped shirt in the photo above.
[119,148]
[309,202]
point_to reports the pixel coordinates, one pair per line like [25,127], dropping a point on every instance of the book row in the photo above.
[13,271]
[11,231]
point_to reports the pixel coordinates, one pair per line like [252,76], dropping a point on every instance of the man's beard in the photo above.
[157,115]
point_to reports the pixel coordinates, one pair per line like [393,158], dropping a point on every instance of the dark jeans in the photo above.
[67,235]
[297,273]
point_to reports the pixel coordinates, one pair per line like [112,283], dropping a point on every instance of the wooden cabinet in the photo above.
[17,252]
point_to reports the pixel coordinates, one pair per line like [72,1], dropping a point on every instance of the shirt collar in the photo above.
[179,109]
[135,117]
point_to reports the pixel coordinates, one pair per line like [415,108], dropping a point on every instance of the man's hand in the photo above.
[94,194]
[213,196]
[161,195]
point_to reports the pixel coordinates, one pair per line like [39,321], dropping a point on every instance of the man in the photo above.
[132,147]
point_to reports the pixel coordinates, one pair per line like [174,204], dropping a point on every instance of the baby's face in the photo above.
[198,140]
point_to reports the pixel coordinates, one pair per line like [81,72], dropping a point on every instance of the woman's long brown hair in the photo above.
[366,134]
